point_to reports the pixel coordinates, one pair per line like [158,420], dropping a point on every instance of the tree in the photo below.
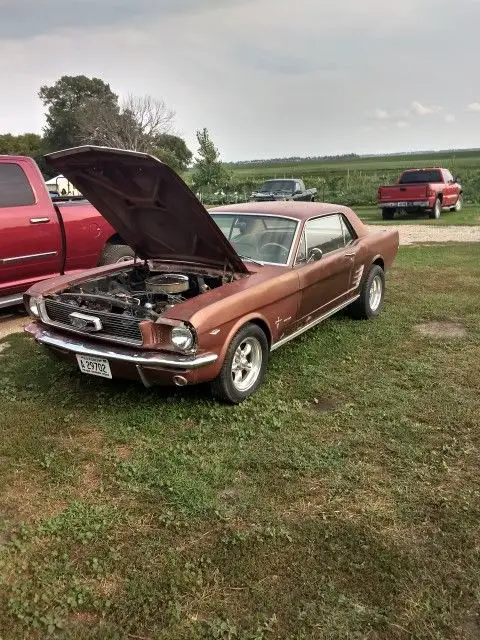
[173,151]
[64,100]
[208,171]
[27,144]
[135,125]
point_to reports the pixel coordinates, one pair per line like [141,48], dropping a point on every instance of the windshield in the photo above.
[414,177]
[272,186]
[258,237]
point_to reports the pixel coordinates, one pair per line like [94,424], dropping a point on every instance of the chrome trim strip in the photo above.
[9,301]
[299,332]
[147,358]
[28,257]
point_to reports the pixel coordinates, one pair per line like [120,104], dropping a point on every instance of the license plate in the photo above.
[402,204]
[94,366]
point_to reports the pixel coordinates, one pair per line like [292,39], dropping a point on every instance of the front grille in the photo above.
[119,327]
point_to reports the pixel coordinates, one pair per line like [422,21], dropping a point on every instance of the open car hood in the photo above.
[149,205]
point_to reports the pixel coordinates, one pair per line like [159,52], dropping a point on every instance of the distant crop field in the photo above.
[351,181]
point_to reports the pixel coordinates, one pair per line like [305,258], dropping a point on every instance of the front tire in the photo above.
[437,210]
[244,366]
[114,253]
[372,294]
[387,214]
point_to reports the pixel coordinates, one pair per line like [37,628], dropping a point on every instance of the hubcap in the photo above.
[375,296]
[246,364]
[458,206]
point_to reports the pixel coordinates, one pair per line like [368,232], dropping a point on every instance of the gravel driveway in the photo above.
[415,233]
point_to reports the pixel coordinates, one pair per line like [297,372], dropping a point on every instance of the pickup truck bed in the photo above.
[41,238]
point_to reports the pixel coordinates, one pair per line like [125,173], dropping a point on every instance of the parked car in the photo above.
[431,190]
[216,291]
[41,237]
[293,189]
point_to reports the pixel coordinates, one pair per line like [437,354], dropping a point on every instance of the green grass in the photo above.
[341,502]
[470,215]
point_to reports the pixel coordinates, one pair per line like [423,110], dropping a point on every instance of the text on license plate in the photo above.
[94,366]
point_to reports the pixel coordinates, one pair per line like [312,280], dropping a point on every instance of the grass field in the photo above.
[341,502]
[353,181]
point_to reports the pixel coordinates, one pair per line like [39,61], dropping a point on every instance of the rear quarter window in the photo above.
[15,189]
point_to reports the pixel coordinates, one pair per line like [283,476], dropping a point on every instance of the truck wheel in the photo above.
[436,211]
[458,205]
[312,199]
[387,214]
[244,367]
[372,294]
[116,253]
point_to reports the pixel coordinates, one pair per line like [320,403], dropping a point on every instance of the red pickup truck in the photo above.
[431,190]
[41,238]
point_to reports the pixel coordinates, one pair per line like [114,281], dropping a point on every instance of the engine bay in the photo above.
[138,292]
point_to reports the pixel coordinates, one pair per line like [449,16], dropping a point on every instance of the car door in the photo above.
[450,193]
[325,282]
[30,239]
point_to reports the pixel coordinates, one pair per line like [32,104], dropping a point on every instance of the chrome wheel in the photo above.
[247,364]
[458,206]
[376,292]
[438,209]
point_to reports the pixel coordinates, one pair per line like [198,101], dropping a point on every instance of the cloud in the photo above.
[402,124]
[380,114]
[419,109]
[474,107]
[450,118]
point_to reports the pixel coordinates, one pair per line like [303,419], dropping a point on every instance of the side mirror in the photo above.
[315,254]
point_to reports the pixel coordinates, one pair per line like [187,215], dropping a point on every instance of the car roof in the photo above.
[298,210]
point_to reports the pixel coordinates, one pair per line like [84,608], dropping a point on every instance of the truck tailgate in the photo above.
[403,192]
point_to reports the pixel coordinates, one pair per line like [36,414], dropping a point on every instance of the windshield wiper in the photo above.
[261,264]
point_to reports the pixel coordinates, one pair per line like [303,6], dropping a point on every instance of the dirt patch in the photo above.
[123,452]
[323,405]
[442,329]
[11,323]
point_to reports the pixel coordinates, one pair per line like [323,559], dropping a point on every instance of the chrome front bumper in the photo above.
[148,358]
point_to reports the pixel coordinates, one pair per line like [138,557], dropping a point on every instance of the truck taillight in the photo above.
[430,192]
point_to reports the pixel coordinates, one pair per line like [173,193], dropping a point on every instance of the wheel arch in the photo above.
[253,318]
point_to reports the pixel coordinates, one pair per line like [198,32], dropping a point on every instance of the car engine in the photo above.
[137,292]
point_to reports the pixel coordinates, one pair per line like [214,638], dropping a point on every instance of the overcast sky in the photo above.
[266,77]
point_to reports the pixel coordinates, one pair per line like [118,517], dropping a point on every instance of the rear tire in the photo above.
[114,253]
[244,366]
[436,211]
[372,294]
[458,205]
[387,214]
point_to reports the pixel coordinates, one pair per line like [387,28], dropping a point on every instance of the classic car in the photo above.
[209,294]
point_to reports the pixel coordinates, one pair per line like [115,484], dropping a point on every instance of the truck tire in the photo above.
[435,213]
[458,205]
[387,214]
[114,253]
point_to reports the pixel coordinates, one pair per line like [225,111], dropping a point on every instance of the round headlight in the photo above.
[33,307]
[182,338]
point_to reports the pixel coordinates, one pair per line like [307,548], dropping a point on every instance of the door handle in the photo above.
[39,220]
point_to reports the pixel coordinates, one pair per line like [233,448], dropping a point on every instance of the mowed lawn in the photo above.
[341,502]
[470,215]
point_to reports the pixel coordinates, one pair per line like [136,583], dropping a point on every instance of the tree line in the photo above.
[81,110]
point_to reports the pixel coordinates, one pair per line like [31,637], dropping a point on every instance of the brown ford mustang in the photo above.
[210,294]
